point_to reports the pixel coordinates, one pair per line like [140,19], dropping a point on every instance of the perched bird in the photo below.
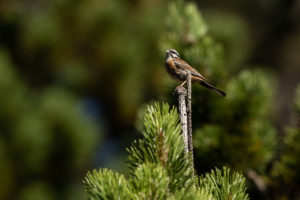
[177,68]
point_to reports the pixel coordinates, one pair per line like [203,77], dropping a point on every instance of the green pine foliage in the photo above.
[187,32]
[288,166]
[38,129]
[150,181]
[58,54]
[106,184]
[163,144]
[237,130]
[159,168]
[240,123]
[197,193]
[286,170]
[222,184]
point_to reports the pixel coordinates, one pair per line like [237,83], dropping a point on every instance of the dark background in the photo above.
[75,77]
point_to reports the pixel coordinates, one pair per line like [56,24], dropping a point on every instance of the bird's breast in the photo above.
[172,70]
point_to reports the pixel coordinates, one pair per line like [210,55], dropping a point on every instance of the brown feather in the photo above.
[179,63]
[209,86]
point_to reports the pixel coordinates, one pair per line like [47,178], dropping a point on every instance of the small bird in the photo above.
[177,68]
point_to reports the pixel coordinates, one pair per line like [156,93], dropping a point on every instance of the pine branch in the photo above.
[106,184]
[186,114]
[181,94]
[189,113]
[150,181]
[160,169]
[224,185]
[162,149]
[163,144]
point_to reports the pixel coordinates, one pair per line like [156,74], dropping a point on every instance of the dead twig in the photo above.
[181,94]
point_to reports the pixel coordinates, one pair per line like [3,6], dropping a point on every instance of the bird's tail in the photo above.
[209,86]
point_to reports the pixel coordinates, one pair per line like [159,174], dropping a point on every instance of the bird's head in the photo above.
[173,53]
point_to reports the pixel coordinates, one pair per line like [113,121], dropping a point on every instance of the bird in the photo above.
[177,69]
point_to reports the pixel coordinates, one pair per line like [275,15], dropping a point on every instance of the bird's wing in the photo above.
[181,64]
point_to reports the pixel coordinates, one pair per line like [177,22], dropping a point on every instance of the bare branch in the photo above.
[189,113]
[181,94]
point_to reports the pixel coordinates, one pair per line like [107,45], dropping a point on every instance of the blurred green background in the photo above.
[76,75]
